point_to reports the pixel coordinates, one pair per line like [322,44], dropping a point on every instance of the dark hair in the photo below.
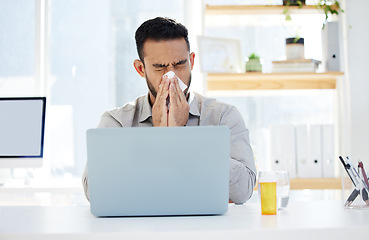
[157,29]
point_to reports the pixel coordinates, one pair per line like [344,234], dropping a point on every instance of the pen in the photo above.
[364,180]
[346,169]
[350,172]
[364,194]
[352,197]
[359,182]
[353,171]
[361,166]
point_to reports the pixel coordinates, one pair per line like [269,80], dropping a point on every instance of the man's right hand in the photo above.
[160,109]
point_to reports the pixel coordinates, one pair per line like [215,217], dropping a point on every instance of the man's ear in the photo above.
[192,59]
[140,67]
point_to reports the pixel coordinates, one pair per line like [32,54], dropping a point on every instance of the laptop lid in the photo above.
[158,171]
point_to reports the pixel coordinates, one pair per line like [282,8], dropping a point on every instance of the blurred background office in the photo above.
[79,54]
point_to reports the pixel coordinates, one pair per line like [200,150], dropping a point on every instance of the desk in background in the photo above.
[301,220]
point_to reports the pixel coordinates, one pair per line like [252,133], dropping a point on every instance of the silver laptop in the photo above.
[158,171]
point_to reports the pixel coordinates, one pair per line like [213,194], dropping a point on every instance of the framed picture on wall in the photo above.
[220,55]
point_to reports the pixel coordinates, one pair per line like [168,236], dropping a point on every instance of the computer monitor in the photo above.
[22,127]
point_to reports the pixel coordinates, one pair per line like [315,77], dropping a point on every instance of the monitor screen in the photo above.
[22,125]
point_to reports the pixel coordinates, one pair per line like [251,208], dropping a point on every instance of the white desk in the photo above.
[301,220]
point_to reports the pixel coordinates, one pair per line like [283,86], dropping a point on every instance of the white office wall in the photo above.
[358,74]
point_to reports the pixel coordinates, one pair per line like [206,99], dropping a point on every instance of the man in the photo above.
[163,46]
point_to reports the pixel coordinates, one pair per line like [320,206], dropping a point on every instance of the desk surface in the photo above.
[301,220]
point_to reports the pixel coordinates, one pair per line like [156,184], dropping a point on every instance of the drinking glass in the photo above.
[283,189]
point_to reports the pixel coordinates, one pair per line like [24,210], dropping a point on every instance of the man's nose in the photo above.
[170,68]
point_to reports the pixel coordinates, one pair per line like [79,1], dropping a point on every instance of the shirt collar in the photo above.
[146,110]
[194,104]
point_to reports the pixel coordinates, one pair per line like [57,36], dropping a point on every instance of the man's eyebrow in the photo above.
[158,65]
[180,62]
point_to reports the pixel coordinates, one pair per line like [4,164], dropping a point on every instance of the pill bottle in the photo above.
[295,48]
[268,193]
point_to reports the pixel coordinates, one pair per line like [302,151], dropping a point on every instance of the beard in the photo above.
[154,92]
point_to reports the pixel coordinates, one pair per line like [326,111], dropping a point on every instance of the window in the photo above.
[89,66]
[17,47]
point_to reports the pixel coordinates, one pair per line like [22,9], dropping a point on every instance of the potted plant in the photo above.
[287,3]
[293,2]
[295,48]
[327,6]
[253,64]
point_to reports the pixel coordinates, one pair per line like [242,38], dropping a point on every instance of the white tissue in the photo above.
[171,74]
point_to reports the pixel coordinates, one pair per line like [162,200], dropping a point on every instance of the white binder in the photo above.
[302,151]
[283,148]
[328,150]
[315,159]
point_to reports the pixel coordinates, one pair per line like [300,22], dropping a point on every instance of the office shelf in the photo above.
[275,81]
[270,81]
[260,9]
[315,183]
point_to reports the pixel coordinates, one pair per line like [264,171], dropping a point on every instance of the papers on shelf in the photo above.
[295,65]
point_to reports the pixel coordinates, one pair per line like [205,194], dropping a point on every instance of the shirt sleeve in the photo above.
[85,183]
[242,165]
[106,121]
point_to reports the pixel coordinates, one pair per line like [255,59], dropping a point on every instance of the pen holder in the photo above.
[352,198]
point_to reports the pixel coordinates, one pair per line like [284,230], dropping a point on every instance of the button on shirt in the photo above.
[203,112]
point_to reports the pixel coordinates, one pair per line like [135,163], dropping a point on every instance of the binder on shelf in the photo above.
[302,151]
[331,46]
[315,159]
[283,148]
[328,150]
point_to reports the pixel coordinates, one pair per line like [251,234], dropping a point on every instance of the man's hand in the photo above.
[179,108]
[160,109]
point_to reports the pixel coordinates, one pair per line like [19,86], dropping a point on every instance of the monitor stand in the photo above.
[10,177]
[5,176]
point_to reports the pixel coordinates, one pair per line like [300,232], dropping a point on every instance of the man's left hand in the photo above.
[179,108]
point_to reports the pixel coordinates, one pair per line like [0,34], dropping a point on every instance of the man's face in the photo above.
[161,57]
